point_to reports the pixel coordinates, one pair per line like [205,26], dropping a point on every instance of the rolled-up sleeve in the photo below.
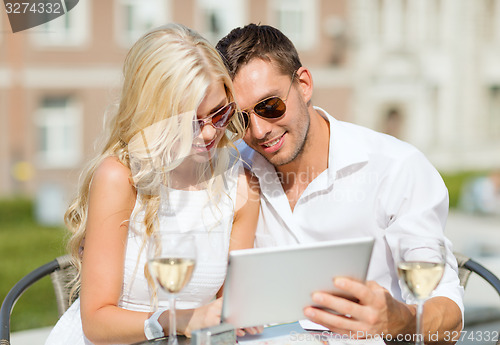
[414,202]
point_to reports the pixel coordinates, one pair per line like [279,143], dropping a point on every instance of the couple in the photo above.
[169,160]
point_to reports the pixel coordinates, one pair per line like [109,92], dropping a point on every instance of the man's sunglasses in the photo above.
[218,120]
[270,108]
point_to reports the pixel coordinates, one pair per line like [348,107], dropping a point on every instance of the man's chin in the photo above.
[278,159]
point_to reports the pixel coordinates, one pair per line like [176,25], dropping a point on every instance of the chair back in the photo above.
[61,272]
[466,266]
[60,280]
[463,272]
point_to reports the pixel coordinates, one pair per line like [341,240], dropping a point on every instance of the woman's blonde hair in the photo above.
[166,73]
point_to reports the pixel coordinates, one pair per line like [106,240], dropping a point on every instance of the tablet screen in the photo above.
[273,285]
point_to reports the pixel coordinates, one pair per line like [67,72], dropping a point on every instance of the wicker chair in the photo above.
[61,272]
[466,266]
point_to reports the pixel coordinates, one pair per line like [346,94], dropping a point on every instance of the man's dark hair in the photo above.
[264,42]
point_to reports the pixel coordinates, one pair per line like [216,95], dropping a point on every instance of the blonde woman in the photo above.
[168,164]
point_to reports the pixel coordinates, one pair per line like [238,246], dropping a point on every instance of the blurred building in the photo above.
[428,72]
[425,71]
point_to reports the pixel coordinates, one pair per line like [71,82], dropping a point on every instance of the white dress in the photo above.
[186,211]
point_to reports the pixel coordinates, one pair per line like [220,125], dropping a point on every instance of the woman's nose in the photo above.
[208,132]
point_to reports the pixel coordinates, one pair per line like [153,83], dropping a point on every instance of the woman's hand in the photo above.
[207,316]
[250,330]
[202,317]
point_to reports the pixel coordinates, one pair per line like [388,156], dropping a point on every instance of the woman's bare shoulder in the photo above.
[111,176]
[112,171]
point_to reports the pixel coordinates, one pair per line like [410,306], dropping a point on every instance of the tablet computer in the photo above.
[273,285]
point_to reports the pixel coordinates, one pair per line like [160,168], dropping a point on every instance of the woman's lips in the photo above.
[206,147]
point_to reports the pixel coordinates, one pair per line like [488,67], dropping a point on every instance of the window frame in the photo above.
[60,123]
[493,111]
[306,39]
[126,38]
[78,35]
[231,12]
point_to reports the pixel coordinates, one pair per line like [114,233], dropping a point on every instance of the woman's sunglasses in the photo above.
[270,108]
[218,120]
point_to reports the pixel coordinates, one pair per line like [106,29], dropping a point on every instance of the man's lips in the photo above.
[273,145]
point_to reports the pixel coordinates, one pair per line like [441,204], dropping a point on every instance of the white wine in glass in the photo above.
[172,273]
[172,259]
[420,269]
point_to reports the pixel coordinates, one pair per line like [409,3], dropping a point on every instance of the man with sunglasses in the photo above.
[322,179]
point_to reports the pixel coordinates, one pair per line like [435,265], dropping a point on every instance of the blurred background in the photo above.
[425,71]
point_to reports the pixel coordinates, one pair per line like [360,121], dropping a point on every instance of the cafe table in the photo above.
[287,334]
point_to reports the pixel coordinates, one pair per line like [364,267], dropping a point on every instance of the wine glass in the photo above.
[420,269]
[171,260]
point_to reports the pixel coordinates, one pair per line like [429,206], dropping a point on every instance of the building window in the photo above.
[490,22]
[494,112]
[136,17]
[380,13]
[218,17]
[393,121]
[58,121]
[393,22]
[298,20]
[435,18]
[70,29]
[405,22]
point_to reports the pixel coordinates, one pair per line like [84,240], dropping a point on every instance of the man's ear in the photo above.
[305,83]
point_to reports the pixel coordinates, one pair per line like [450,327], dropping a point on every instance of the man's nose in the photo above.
[259,127]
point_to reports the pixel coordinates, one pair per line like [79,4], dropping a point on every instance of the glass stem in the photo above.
[172,328]
[420,334]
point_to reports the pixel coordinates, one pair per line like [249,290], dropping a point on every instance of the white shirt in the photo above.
[375,185]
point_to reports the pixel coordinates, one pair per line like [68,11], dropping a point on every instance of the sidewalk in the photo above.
[477,237]
[30,336]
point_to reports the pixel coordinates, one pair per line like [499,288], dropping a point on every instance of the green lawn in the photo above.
[455,182]
[25,245]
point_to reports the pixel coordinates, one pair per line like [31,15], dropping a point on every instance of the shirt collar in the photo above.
[345,152]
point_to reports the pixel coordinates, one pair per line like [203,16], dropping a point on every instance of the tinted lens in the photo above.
[270,108]
[197,126]
[221,118]
[245,119]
